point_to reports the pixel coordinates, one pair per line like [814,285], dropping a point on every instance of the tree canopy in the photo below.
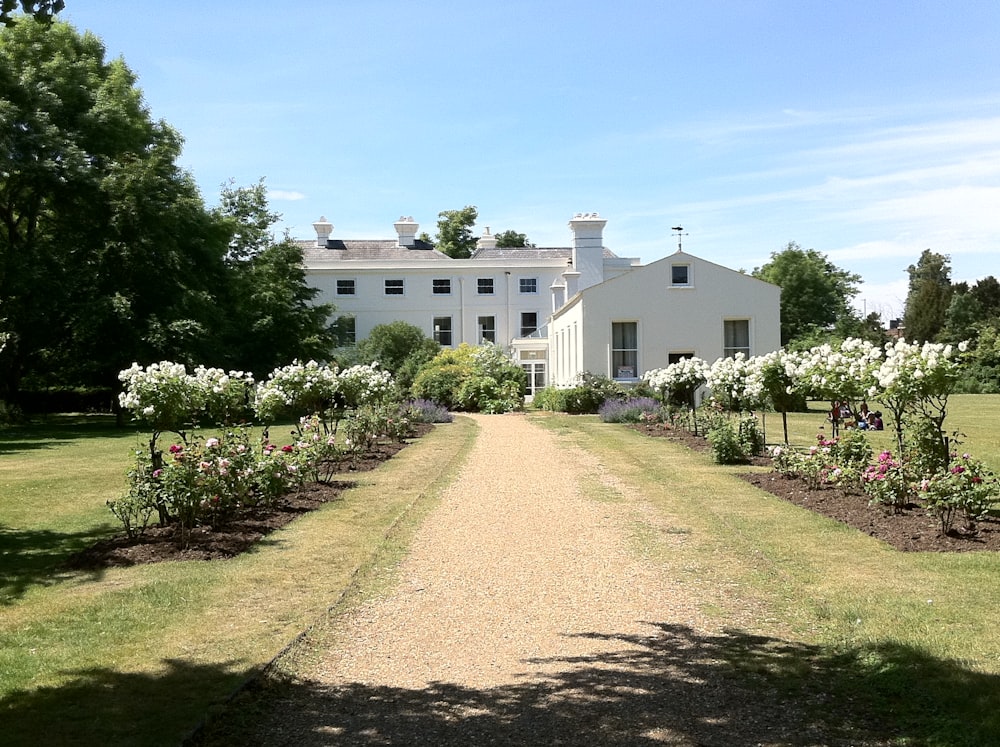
[39,10]
[511,239]
[108,254]
[455,237]
[929,297]
[815,293]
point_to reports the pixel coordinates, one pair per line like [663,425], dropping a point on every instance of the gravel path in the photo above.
[525,614]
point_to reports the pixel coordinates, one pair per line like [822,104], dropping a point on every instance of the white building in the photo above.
[561,311]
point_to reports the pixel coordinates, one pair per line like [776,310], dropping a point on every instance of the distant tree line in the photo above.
[816,308]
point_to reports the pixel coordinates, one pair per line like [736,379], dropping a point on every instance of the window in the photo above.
[529,323]
[345,288]
[680,275]
[678,357]
[394,287]
[442,286]
[736,337]
[528,285]
[487,329]
[442,330]
[484,286]
[346,329]
[625,350]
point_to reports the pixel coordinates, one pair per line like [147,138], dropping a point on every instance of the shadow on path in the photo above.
[674,686]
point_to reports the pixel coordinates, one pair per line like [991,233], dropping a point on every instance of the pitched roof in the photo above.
[532,252]
[367,249]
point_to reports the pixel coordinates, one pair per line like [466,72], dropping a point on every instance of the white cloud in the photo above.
[284,194]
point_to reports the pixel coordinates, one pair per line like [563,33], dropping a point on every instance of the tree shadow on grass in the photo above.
[59,430]
[33,557]
[106,708]
[674,686]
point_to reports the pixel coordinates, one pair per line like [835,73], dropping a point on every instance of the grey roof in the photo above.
[368,249]
[533,252]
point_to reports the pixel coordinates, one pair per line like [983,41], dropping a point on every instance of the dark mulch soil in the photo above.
[158,544]
[911,530]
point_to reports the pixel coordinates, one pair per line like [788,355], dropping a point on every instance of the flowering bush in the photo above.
[426,411]
[678,382]
[162,395]
[735,383]
[887,482]
[968,487]
[631,410]
[296,389]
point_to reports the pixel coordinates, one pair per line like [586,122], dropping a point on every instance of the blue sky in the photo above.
[868,131]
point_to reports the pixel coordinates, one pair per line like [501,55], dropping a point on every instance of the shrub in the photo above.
[887,483]
[966,488]
[628,411]
[725,444]
[427,411]
[750,437]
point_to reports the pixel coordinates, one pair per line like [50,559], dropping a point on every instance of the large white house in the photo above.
[560,311]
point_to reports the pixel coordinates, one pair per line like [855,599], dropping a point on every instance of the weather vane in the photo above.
[680,233]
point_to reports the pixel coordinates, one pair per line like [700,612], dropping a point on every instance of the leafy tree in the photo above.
[815,293]
[987,292]
[455,237]
[40,10]
[102,237]
[929,297]
[249,219]
[270,315]
[964,313]
[511,240]
[400,348]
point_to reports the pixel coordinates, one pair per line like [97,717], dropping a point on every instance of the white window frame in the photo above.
[441,290]
[689,278]
[482,283]
[620,355]
[438,330]
[348,282]
[401,286]
[487,334]
[730,351]
[530,283]
[522,326]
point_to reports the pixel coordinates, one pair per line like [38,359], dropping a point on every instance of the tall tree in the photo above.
[815,293]
[270,315]
[455,237]
[106,250]
[929,297]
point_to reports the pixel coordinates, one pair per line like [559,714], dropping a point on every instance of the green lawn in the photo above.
[137,655]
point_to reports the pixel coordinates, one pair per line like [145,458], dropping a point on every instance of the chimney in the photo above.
[323,229]
[588,248]
[407,230]
[487,240]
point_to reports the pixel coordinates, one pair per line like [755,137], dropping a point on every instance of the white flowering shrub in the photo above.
[162,395]
[297,389]
[677,382]
[365,385]
[736,383]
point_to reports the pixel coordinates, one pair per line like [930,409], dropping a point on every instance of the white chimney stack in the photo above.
[407,229]
[487,240]
[323,229]
[588,248]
